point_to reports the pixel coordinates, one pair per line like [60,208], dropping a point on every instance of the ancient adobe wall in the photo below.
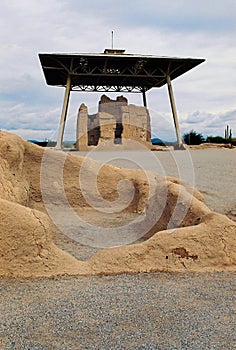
[115,121]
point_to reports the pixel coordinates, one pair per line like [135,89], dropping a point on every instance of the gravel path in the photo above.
[146,311]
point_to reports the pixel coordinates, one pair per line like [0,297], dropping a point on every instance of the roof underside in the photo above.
[110,72]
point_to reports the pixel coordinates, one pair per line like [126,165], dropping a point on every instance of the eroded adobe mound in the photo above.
[185,235]
[26,247]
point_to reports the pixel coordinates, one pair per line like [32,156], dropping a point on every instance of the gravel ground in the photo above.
[145,311]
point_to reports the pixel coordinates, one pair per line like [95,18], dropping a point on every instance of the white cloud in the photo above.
[208,123]
[29,134]
[203,29]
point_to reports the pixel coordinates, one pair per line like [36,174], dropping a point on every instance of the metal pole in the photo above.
[174,111]
[64,113]
[144,98]
[112,40]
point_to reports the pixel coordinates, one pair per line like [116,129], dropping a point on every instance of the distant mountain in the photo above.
[46,143]
[157,141]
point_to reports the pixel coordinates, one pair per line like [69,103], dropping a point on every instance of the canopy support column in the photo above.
[144,98]
[174,112]
[64,113]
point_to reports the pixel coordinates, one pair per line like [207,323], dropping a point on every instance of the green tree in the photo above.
[193,138]
[215,139]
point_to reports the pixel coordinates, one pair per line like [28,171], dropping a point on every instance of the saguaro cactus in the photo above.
[228,134]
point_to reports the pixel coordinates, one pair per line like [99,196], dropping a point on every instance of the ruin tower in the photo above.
[115,121]
[82,128]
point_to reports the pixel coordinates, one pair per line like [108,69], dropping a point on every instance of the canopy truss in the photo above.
[113,71]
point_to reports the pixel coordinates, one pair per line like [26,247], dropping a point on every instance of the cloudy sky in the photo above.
[205,96]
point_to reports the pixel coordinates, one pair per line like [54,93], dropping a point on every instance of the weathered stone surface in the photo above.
[107,126]
[106,99]
[136,122]
[115,120]
[83,107]
[82,128]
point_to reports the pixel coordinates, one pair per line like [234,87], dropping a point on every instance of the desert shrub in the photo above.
[193,138]
[215,139]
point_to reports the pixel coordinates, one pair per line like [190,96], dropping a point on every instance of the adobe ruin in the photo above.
[115,121]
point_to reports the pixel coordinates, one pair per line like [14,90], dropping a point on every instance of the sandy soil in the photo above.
[146,220]
[160,311]
[212,171]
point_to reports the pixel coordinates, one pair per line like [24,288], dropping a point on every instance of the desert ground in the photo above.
[147,310]
[212,171]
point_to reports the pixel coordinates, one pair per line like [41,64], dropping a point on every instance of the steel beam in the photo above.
[64,113]
[174,111]
[144,98]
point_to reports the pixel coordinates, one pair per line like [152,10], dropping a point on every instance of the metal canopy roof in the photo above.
[113,72]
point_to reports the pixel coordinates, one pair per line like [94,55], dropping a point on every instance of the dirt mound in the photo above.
[184,234]
[26,247]
[207,247]
[211,145]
